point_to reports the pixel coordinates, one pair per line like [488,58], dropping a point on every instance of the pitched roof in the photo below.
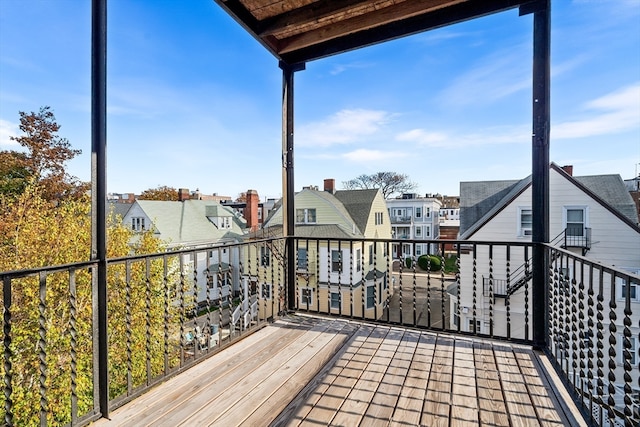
[481,200]
[358,203]
[187,222]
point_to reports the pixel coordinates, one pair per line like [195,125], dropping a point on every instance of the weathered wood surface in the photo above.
[305,370]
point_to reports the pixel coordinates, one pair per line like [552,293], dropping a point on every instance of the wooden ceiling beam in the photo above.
[459,12]
[378,17]
[314,13]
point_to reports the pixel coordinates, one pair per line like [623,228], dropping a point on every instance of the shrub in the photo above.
[430,262]
[408,262]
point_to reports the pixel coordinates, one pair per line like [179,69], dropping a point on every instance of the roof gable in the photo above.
[358,204]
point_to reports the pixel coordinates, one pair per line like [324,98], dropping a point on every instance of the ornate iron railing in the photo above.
[168,311]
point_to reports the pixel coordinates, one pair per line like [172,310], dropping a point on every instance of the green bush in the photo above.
[430,262]
[408,262]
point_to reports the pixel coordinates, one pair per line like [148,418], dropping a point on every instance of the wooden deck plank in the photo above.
[519,404]
[492,407]
[464,400]
[437,403]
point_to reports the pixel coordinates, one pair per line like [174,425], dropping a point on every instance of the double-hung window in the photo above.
[336,261]
[525,222]
[575,221]
[303,261]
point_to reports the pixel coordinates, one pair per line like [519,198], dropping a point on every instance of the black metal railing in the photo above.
[594,336]
[170,310]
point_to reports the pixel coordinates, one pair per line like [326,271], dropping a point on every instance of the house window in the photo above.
[418,231]
[525,222]
[371,297]
[335,261]
[137,224]
[302,259]
[306,297]
[265,256]
[335,300]
[418,212]
[575,221]
[265,291]
[428,213]
[634,290]
[370,254]
[358,260]
[418,250]
[378,218]
[633,340]
[226,222]
[427,231]
[306,216]
[478,325]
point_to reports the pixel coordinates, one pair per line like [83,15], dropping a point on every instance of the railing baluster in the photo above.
[400,271]
[147,328]
[612,350]
[491,301]
[475,288]
[458,290]
[340,277]
[167,318]
[73,335]
[42,346]
[350,278]
[527,272]
[507,298]
[7,352]
[443,317]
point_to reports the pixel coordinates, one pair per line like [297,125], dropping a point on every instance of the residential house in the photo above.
[196,224]
[593,216]
[414,218]
[343,277]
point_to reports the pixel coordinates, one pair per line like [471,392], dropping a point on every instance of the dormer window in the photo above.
[137,224]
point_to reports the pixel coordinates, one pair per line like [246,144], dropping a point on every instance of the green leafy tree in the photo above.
[388,182]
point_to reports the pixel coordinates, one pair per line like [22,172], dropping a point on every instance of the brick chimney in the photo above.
[183,194]
[251,210]
[330,185]
[568,169]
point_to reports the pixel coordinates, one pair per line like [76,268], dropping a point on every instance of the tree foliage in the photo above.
[36,232]
[44,161]
[162,192]
[388,182]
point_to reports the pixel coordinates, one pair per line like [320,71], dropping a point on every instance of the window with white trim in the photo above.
[371,297]
[575,221]
[335,261]
[378,216]
[634,290]
[418,212]
[303,261]
[634,350]
[358,259]
[427,231]
[137,224]
[265,291]
[525,222]
[265,256]
[335,300]
[428,213]
[306,297]
[306,216]
[418,231]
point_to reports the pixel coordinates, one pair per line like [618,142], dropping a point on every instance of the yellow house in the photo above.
[341,253]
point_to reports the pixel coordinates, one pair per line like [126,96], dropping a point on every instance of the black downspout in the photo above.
[540,170]
[288,193]
[99,196]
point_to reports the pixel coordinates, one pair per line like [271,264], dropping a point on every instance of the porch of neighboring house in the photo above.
[312,370]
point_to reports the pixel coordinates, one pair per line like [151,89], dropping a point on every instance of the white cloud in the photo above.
[340,68]
[363,155]
[7,130]
[343,127]
[488,136]
[615,112]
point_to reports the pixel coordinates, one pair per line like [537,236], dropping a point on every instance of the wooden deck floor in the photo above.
[313,371]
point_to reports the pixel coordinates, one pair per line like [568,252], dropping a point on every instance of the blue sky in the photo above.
[194,101]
